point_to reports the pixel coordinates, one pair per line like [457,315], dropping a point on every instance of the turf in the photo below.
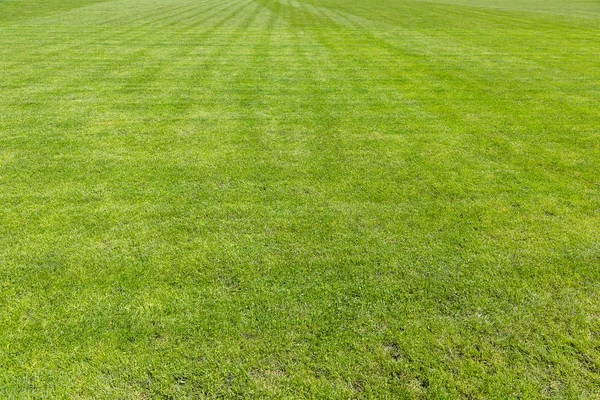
[299,199]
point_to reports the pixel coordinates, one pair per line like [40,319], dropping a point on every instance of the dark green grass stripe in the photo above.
[16,11]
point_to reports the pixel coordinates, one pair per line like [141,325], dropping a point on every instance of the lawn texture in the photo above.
[299,199]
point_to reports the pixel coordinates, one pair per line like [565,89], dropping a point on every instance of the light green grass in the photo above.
[299,199]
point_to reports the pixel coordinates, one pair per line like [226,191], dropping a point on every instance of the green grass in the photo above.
[299,199]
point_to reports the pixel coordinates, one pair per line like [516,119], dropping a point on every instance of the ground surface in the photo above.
[301,199]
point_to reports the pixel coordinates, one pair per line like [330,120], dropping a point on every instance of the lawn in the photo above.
[300,199]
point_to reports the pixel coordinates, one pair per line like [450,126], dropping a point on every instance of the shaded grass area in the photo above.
[22,10]
[332,199]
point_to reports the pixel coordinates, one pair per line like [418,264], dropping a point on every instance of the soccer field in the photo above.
[325,199]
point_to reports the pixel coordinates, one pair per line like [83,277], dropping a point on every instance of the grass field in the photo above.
[300,199]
